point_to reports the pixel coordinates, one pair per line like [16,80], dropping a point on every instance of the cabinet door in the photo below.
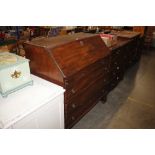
[49,116]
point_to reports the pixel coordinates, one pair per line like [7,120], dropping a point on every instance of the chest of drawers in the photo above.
[123,55]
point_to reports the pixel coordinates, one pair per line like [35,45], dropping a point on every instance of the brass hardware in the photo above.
[16,74]
[73,118]
[82,75]
[81,43]
[105,68]
[73,105]
[73,91]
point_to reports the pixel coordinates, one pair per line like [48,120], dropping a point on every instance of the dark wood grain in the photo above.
[84,66]
[79,63]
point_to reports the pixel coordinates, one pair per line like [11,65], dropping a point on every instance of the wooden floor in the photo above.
[131,105]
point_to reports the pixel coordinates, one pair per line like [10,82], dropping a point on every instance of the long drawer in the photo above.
[81,81]
[117,64]
[102,63]
[118,53]
[81,86]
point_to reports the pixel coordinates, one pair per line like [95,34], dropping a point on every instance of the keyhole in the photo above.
[81,43]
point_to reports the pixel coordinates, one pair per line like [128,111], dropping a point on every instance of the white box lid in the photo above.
[9,59]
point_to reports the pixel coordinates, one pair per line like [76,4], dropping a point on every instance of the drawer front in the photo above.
[79,105]
[85,78]
[83,84]
[11,78]
[117,65]
[116,53]
[117,68]
[100,64]
[117,77]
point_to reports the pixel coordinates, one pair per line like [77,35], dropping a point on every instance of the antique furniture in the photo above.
[40,106]
[84,66]
[14,73]
[80,63]
[124,54]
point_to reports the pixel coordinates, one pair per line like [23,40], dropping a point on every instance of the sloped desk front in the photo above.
[38,106]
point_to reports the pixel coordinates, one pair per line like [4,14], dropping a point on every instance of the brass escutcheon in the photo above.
[16,74]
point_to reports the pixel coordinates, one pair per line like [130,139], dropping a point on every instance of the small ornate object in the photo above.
[16,74]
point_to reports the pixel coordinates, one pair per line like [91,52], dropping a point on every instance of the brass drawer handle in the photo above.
[117,67]
[73,105]
[67,83]
[105,68]
[16,74]
[73,118]
[73,91]
[82,75]
[81,43]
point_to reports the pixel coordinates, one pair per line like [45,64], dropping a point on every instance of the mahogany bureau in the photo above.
[80,63]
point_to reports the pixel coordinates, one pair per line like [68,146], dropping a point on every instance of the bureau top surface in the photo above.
[128,34]
[24,101]
[120,43]
[59,40]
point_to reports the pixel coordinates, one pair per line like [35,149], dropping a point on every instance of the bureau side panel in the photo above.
[42,64]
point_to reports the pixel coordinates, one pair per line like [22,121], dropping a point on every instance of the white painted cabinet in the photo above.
[40,106]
